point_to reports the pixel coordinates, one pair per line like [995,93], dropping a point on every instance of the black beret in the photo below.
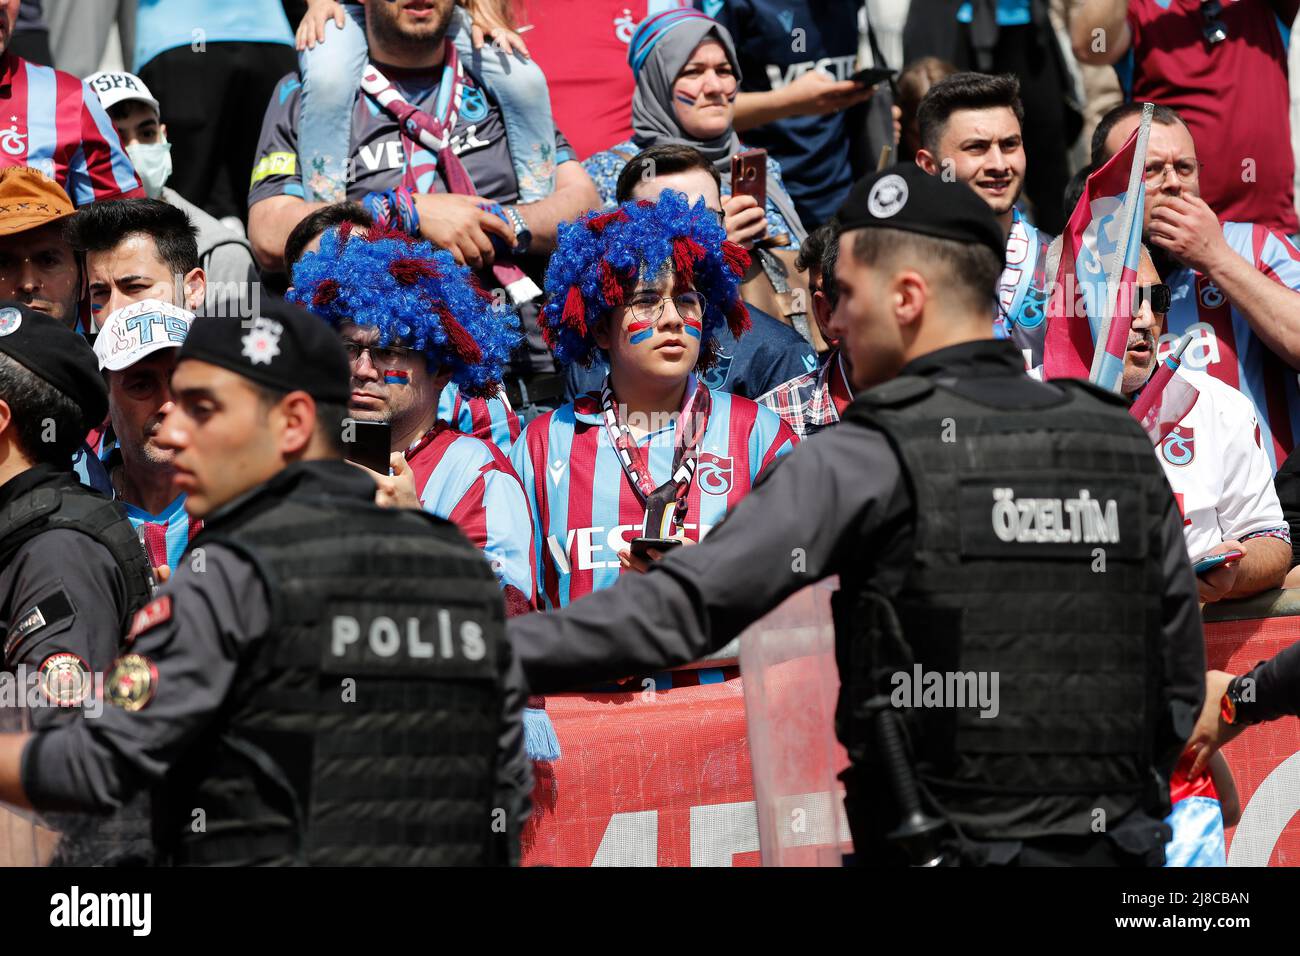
[907,198]
[284,348]
[52,351]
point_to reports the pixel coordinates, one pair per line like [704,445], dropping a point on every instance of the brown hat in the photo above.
[29,199]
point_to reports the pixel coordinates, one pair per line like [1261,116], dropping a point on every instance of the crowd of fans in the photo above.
[407,169]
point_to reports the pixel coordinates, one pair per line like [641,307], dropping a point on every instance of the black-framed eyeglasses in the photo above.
[1213,29]
[648,306]
[1160,296]
[379,357]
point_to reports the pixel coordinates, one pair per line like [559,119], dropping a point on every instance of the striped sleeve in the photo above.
[497,511]
[1276,257]
[99,169]
[521,460]
[490,419]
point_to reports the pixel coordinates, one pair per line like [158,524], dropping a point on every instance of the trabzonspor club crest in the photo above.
[714,474]
[1178,448]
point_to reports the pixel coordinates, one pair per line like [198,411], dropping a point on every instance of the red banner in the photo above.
[646,778]
[1265,761]
[663,777]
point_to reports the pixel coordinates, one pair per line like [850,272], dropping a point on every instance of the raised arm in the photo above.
[1099,31]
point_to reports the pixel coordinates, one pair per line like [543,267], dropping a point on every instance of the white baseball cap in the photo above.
[138,330]
[117,86]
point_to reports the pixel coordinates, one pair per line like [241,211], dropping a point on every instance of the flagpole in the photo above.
[1133,205]
[1156,386]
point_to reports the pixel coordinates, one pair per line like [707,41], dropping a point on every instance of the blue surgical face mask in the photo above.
[153,161]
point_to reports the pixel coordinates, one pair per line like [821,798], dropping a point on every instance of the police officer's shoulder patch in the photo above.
[48,611]
[65,679]
[132,682]
[157,611]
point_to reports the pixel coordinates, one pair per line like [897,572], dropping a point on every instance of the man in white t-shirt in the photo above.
[1209,445]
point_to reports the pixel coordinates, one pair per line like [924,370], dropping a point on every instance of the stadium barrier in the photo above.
[664,777]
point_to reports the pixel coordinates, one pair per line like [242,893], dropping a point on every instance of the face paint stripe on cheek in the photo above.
[688,100]
[639,331]
[693,327]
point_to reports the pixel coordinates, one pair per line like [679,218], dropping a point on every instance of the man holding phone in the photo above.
[1208,444]
[412,320]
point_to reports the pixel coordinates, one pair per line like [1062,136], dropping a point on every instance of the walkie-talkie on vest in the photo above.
[917,833]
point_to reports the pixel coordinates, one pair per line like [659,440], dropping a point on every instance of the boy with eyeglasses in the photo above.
[411,320]
[655,453]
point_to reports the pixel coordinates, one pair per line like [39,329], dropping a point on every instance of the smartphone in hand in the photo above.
[370,443]
[641,547]
[749,175]
[1212,561]
[873,76]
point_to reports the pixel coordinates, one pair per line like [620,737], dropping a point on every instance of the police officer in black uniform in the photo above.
[322,681]
[72,572]
[979,522]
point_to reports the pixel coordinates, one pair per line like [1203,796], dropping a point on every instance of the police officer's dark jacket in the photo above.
[105,549]
[321,681]
[363,729]
[1026,626]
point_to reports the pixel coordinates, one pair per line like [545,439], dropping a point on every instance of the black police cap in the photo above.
[284,348]
[907,198]
[53,352]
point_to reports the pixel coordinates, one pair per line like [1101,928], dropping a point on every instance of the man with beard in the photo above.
[462,196]
[1220,476]
[1234,284]
[412,321]
[137,349]
[970,126]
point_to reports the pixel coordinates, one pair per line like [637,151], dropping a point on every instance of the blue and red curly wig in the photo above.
[600,257]
[416,296]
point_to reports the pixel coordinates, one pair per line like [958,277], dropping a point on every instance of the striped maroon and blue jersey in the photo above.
[584,508]
[51,121]
[471,483]
[166,536]
[1227,348]
[491,419]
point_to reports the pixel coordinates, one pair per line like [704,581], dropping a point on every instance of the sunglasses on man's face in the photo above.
[1159,296]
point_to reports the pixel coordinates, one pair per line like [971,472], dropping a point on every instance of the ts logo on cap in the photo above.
[887,196]
[262,343]
[10,320]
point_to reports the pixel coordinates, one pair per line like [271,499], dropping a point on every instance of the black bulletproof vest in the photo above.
[63,502]
[363,728]
[1018,511]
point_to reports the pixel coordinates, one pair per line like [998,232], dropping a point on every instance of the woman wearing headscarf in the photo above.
[687,76]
